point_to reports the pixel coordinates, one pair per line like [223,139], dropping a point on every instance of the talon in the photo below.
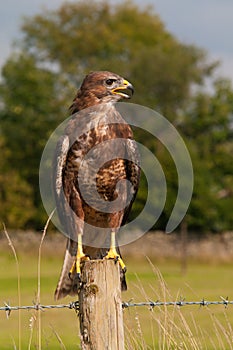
[77,277]
[76,267]
[73,269]
[80,258]
[112,253]
[77,282]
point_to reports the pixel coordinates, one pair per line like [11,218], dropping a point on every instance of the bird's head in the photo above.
[101,87]
[107,85]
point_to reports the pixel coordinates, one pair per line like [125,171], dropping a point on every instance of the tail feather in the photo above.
[65,283]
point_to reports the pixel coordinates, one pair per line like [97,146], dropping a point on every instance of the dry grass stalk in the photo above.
[39,277]
[18,281]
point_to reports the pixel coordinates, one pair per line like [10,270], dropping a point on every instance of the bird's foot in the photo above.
[112,254]
[76,267]
[75,270]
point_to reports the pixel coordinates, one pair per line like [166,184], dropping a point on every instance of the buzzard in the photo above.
[93,204]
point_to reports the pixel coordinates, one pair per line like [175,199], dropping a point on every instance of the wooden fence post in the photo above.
[100,306]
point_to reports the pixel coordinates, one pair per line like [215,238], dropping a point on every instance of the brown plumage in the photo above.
[94,122]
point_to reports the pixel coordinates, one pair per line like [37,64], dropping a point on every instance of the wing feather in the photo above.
[133,172]
[59,163]
[65,284]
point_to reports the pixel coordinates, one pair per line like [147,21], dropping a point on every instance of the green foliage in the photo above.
[15,193]
[85,36]
[59,47]
[208,128]
[31,110]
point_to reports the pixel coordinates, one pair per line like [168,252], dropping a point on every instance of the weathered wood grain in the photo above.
[100,306]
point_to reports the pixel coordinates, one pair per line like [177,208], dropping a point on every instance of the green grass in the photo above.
[189,327]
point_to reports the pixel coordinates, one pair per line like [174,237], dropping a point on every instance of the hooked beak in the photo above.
[125,90]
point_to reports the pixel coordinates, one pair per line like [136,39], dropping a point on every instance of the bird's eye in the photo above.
[109,82]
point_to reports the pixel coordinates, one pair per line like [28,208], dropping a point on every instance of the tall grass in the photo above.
[39,278]
[18,283]
[171,328]
[36,317]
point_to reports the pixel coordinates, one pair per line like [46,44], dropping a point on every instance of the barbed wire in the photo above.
[182,302]
[151,304]
[39,307]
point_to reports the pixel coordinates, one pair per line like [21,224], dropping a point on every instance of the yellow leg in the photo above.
[75,269]
[112,253]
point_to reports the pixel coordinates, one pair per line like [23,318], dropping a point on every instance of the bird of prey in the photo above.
[86,218]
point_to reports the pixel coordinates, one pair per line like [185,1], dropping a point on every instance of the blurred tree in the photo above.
[31,109]
[59,47]
[208,127]
[84,36]
[13,192]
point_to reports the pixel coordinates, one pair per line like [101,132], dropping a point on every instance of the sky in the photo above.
[205,23]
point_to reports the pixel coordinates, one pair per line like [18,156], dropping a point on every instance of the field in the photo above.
[151,276]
